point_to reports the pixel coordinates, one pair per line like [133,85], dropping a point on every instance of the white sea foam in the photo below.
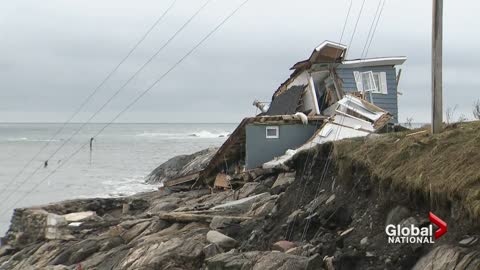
[25,139]
[127,186]
[208,134]
[203,134]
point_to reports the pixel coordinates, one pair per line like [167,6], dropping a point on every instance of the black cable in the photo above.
[134,101]
[116,93]
[87,100]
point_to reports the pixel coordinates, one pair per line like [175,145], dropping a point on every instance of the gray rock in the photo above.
[330,199]
[242,205]
[448,257]
[315,262]
[181,166]
[135,231]
[220,222]
[221,240]
[283,180]
[256,260]
[211,250]
[364,241]
[396,215]
[470,241]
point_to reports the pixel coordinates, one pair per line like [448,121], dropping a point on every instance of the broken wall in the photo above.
[259,149]
[389,101]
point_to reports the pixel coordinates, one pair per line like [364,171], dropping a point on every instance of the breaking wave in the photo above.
[204,134]
[208,134]
[25,139]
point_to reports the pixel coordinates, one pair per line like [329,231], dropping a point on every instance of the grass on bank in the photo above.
[445,166]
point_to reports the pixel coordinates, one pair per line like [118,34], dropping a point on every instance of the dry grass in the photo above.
[445,166]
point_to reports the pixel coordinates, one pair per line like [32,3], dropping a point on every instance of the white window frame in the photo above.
[371,78]
[382,82]
[277,132]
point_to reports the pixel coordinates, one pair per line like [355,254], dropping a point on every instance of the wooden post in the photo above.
[437,36]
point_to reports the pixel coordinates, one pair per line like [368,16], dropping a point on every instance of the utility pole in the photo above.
[437,36]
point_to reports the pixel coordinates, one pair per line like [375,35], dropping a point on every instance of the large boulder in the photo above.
[449,257]
[180,166]
[221,240]
[257,260]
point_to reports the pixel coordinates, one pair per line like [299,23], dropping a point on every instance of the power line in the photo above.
[135,100]
[93,93]
[375,29]
[356,25]
[117,92]
[371,28]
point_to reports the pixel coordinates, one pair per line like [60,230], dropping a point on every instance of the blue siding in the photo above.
[259,149]
[388,102]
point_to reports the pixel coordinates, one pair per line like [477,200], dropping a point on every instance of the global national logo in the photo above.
[413,234]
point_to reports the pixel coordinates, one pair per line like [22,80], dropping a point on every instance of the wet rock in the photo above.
[283,181]
[221,240]
[283,246]
[181,166]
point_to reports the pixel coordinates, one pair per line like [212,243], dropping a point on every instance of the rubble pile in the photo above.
[302,218]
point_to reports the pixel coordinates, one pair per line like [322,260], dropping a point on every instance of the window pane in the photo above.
[271,132]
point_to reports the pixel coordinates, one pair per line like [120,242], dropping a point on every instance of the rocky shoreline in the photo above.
[301,218]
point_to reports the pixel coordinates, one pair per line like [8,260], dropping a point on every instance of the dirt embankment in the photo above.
[328,212]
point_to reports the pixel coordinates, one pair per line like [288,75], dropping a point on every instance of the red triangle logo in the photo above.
[442,225]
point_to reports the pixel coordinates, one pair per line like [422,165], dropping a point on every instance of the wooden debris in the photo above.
[222,181]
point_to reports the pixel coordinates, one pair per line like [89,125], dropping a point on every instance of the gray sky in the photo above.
[54,53]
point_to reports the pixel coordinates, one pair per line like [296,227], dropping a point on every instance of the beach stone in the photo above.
[283,246]
[221,240]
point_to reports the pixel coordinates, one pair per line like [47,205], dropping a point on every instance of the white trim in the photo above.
[314,94]
[331,44]
[277,130]
[383,61]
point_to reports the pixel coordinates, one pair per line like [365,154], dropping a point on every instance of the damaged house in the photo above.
[326,98]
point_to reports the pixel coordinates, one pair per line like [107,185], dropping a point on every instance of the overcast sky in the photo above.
[54,53]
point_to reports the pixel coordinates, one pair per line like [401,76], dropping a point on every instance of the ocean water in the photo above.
[121,157]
